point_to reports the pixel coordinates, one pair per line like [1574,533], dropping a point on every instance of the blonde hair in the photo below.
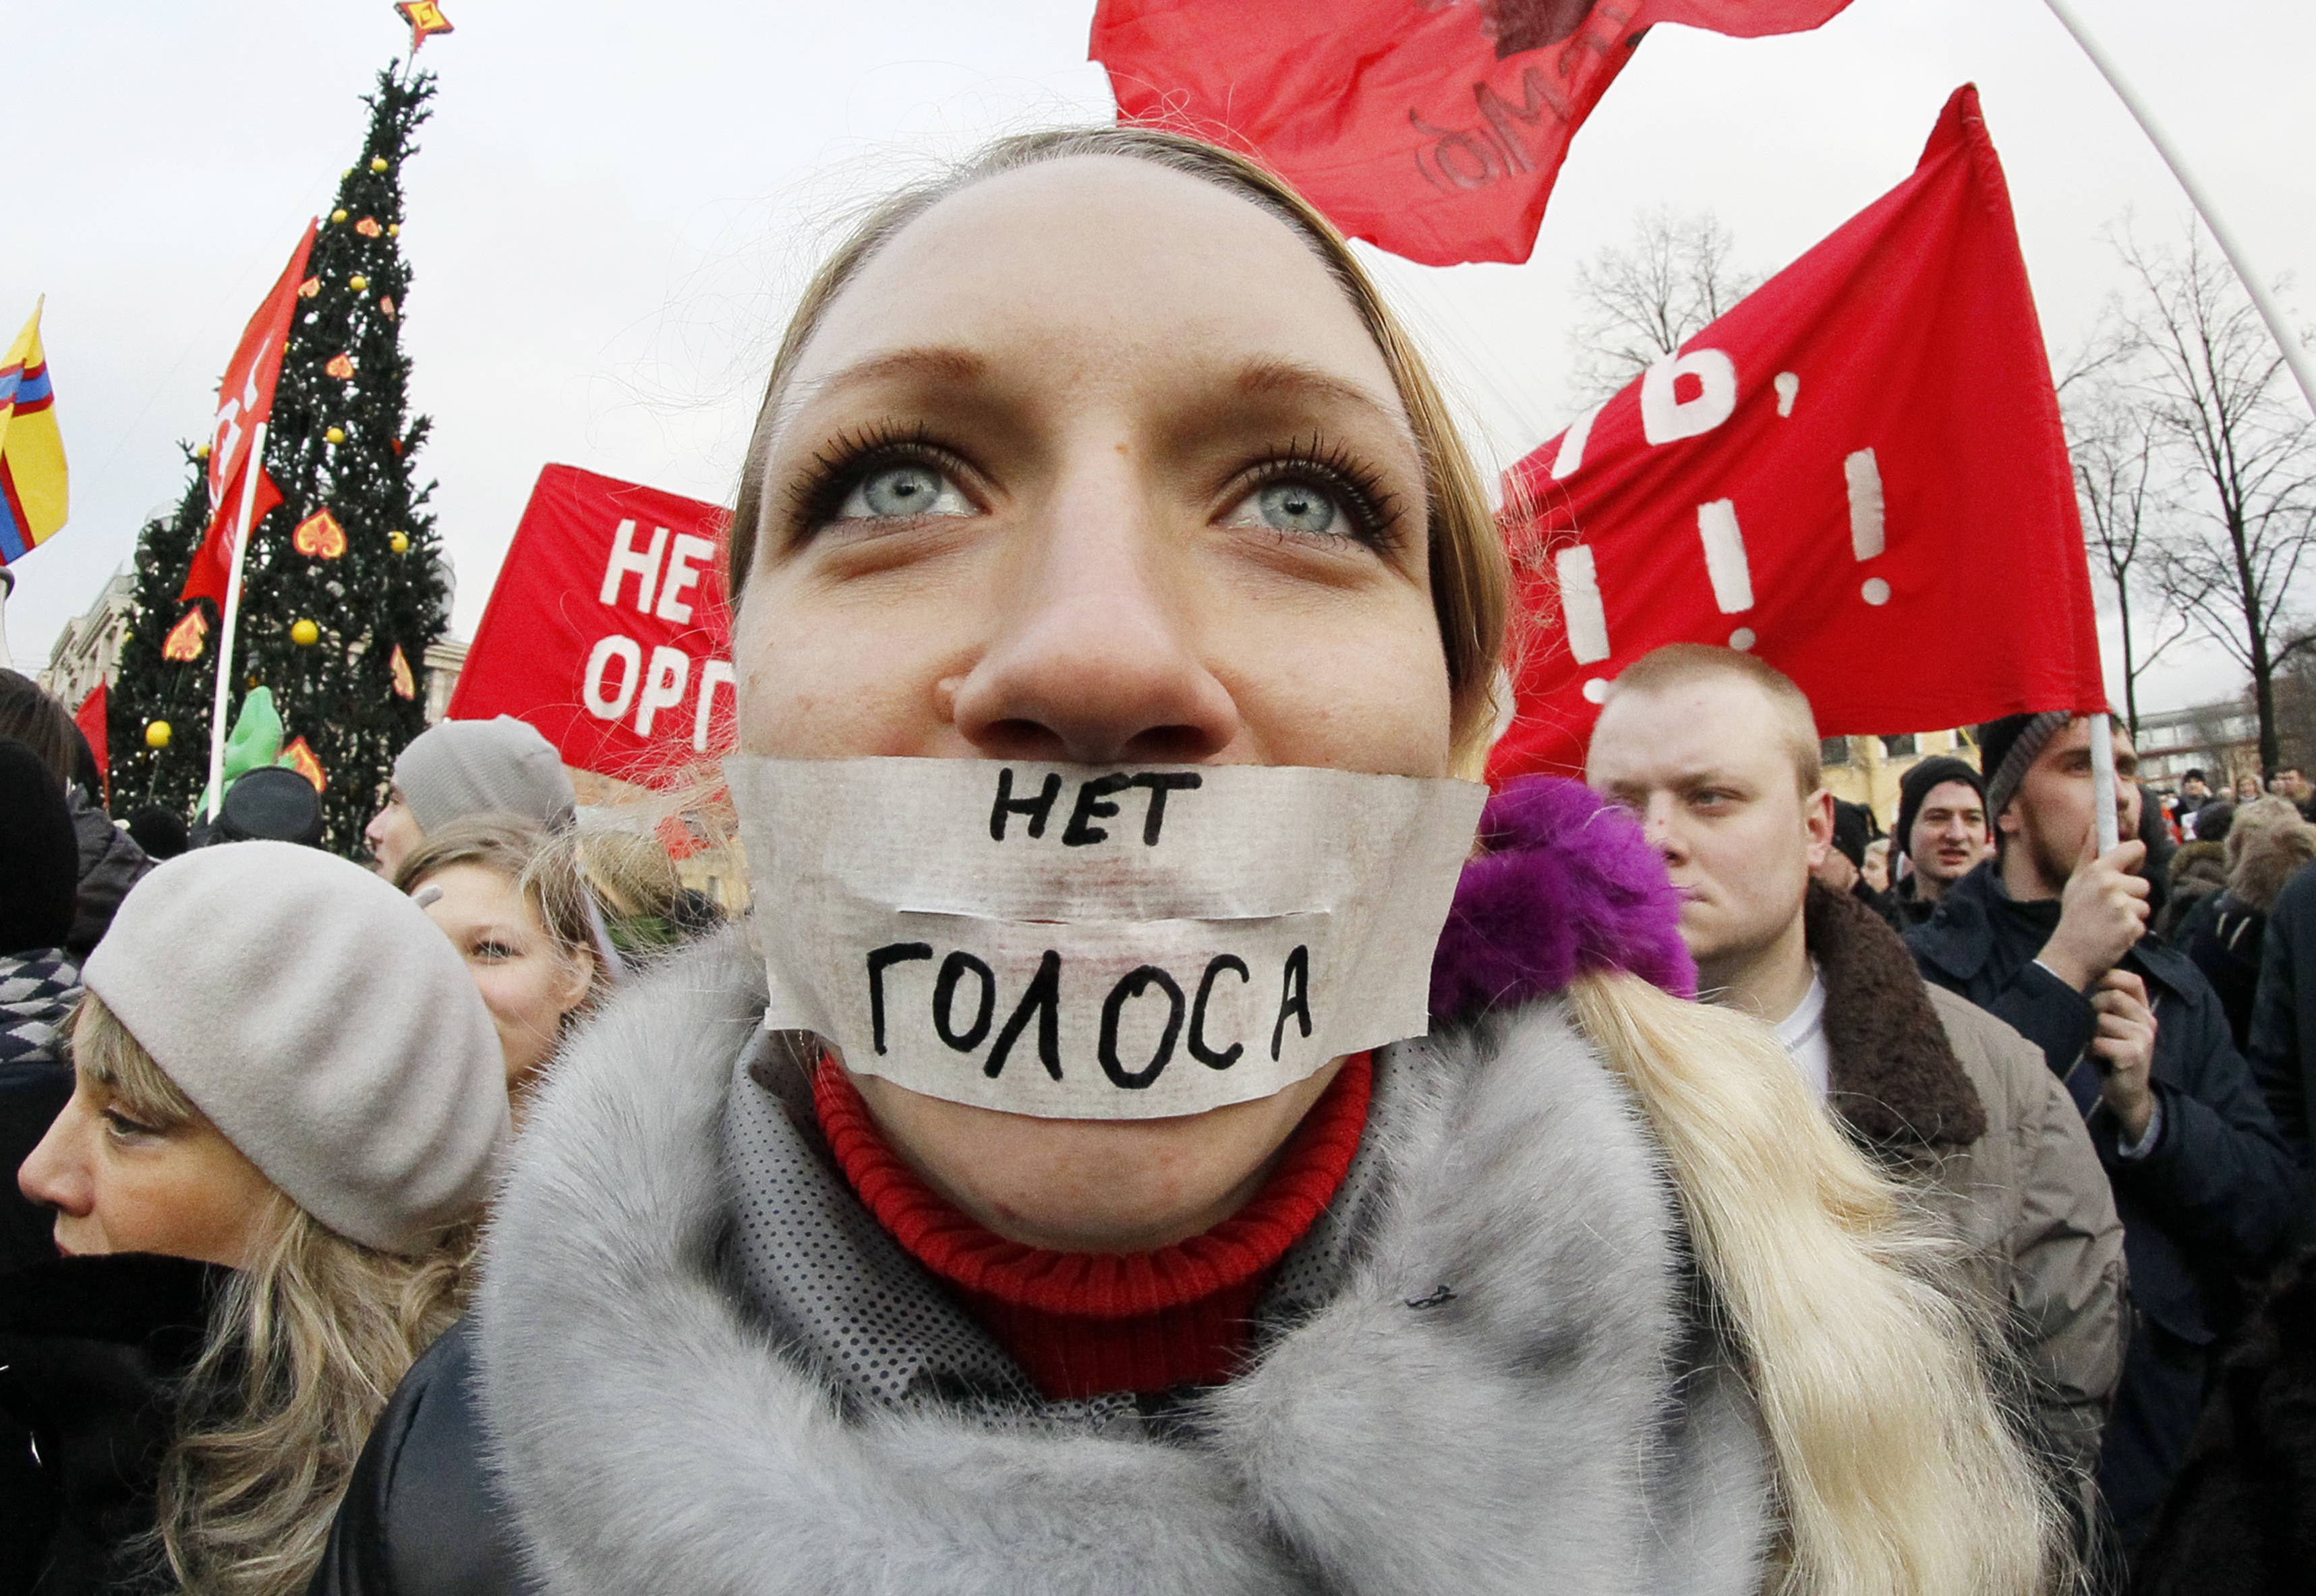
[544,868]
[304,1347]
[1896,1468]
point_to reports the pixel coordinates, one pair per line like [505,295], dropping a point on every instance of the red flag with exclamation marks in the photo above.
[1857,473]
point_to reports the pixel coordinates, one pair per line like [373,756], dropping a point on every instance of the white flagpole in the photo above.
[2295,356]
[255,463]
[2110,824]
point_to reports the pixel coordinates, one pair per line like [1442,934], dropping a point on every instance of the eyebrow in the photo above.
[1267,376]
[944,364]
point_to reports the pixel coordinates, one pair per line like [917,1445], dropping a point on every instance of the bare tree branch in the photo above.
[1642,301]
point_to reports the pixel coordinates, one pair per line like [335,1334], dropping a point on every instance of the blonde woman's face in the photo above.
[528,979]
[120,1184]
[1094,462]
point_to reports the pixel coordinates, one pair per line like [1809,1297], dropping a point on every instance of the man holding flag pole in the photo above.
[238,482]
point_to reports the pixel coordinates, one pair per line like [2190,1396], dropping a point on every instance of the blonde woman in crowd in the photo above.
[1102,452]
[510,898]
[288,1104]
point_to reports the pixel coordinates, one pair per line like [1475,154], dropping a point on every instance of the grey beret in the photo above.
[462,767]
[323,1024]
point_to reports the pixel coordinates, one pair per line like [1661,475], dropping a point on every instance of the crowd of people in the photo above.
[1772,1206]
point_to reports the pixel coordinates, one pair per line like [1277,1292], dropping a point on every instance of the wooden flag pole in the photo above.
[2295,356]
[253,465]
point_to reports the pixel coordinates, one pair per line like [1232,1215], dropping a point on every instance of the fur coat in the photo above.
[1495,1378]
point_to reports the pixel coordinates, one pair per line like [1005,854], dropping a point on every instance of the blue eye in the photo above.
[1292,506]
[901,491]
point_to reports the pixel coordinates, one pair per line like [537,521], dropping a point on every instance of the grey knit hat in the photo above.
[323,1024]
[462,767]
[2009,747]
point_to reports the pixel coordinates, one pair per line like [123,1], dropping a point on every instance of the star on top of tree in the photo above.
[425,19]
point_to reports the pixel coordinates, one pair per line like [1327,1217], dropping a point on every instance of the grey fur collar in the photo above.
[1554,1422]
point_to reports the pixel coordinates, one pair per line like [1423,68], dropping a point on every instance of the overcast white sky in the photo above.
[614,202]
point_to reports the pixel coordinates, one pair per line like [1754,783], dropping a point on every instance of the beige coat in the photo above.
[1962,1109]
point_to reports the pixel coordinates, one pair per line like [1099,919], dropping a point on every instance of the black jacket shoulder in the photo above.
[420,1516]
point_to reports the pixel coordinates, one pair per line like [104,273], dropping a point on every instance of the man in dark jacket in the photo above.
[2050,935]
[1941,831]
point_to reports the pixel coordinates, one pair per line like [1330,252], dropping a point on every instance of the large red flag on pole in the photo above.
[1431,128]
[237,474]
[1857,473]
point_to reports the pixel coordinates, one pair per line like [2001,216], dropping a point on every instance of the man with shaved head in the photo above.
[1716,754]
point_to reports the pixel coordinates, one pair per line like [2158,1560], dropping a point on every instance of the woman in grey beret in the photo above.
[283,1073]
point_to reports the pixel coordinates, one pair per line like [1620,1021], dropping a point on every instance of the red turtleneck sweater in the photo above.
[1083,1324]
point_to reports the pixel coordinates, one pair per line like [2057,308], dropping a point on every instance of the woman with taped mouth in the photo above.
[1099,462]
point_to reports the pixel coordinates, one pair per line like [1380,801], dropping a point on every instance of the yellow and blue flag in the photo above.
[32,451]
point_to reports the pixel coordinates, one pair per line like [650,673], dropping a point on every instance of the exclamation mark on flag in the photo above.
[1866,523]
[1724,555]
[1579,605]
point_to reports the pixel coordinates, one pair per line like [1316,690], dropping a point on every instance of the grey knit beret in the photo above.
[462,767]
[323,1024]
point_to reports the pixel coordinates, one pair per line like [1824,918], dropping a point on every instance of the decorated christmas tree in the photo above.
[343,587]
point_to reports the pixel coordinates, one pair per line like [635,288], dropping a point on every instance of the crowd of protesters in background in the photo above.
[1951,1224]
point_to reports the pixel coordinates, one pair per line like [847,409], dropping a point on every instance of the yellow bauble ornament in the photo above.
[337,216]
[305,633]
[394,229]
[378,163]
[399,542]
[202,453]
[157,734]
[358,283]
[335,435]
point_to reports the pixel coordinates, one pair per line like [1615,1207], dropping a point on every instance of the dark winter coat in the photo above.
[2209,1199]
[89,1350]
[2284,1035]
[420,1515]
[675,1405]
[110,863]
[1959,1106]
[2242,1520]
[38,992]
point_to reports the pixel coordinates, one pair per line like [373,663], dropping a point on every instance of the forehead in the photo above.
[1104,270]
[1952,794]
[475,891]
[1711,723]
[2074,737]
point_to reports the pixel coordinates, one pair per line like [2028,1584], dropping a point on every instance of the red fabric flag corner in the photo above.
[245,401]
[90,719]
[1433,129]
[1857,473]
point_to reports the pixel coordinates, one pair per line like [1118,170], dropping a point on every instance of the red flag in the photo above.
[607,628]
[245,401]
[1431,128]
[90,719]
[1858,473]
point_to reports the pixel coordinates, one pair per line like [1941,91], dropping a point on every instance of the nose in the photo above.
[1097,656]
[56,1174]
[1656,821]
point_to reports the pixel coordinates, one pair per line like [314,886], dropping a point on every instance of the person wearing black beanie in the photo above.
[40,982]
[1941,834]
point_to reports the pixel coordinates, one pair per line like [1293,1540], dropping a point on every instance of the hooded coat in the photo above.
[699,1364]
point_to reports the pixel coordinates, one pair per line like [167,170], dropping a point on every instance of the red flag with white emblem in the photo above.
[1857,473]
[1431,128]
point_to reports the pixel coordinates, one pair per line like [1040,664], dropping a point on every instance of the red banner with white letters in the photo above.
[1431,128]
[1857,473]
[606,629]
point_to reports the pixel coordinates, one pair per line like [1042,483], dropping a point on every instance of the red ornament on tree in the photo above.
[368,228]
[184,641]
[425,19]
[341,366]
[404,685]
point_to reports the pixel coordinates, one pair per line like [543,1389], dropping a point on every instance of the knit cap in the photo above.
[323,1024]
[1915,785]
[2009,747]
[462,767]
[39,857]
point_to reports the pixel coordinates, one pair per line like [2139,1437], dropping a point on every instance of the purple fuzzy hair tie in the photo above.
[1567,885]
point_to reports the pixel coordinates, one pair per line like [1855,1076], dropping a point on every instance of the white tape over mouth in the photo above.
[1097,942]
